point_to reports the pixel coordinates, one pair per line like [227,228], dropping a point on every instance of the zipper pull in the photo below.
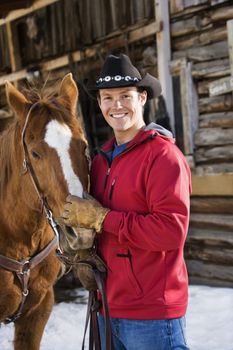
[111,189]
[106,177]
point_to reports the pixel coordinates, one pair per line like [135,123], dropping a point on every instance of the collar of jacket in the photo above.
[141,137]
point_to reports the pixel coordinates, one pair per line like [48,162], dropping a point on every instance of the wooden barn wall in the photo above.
[200,39]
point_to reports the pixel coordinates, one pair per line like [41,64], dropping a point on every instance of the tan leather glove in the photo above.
[87,212]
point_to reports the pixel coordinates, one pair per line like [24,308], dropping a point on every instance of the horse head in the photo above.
[52,148]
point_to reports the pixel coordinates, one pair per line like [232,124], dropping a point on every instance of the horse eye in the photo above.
[35,155]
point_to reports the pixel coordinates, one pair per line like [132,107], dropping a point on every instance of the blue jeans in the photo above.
[146,334]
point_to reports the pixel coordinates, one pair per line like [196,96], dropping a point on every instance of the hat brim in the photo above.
[148,82]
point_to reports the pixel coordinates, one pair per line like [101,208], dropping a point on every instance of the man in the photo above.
[141,183]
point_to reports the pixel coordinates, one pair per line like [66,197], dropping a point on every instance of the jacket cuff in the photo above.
[112,222]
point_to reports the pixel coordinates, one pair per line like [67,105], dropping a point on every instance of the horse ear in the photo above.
[16,100]
[69,91]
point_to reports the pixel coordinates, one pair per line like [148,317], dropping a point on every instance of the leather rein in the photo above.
[22,268]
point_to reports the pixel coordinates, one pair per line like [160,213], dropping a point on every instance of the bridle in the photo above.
[27,167]
[22,268]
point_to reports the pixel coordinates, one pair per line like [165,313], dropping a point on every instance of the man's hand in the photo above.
[87,213]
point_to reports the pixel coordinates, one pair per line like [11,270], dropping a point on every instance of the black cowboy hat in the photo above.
[119,72]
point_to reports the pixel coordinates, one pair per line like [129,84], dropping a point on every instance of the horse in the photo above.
[43,159]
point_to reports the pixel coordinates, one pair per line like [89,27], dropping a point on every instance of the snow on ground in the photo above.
[209,322]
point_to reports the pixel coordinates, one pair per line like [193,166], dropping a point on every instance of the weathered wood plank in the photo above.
[215,255]
[215,104]
[213,136]
[222,13]
[20,13]
[214,205]
[215,68]
[215,221]
[189,106]
[211,237]
[194,280]
[214,168]
[186,26]
[190,3]
[202,38]
[217,2]
[221,86]
[204,53]
[203,86]
[143,32]
[230,43]
[212,185]
[175,66]
[213,154]
[176,6]
[210,271]
[216,120]
[188,11]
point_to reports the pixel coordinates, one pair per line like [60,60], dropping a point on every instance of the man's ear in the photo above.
[69,91]
[143,97]
[16,100]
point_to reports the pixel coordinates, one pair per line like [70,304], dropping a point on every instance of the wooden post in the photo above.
[230,44]
[189,107]
[164,55]
[13,48]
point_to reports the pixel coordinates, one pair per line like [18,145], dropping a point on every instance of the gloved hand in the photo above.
[87,212]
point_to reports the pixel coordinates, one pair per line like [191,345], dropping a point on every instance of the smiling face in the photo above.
[122,109]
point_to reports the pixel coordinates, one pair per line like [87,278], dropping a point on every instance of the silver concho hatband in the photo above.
[116,78]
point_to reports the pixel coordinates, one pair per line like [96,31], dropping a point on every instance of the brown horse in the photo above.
[42,160]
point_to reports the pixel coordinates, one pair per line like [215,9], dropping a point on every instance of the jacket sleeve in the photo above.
[168,187]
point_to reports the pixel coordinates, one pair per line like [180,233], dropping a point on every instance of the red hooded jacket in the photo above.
[147,188]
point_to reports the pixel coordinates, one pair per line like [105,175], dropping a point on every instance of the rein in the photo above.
[22,268]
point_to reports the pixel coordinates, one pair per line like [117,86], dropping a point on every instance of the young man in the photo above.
[141,183]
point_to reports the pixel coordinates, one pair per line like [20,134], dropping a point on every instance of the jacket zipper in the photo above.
[111,189]
[106,177]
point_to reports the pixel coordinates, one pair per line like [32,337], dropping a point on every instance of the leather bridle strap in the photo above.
[22,270]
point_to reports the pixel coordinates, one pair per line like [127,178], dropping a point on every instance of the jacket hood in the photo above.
[160,129]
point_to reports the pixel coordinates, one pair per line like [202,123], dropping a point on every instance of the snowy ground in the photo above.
[209,322]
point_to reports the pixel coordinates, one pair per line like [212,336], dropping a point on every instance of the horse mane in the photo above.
[49,102]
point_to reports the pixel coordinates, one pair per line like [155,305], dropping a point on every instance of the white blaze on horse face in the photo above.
[58,136]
